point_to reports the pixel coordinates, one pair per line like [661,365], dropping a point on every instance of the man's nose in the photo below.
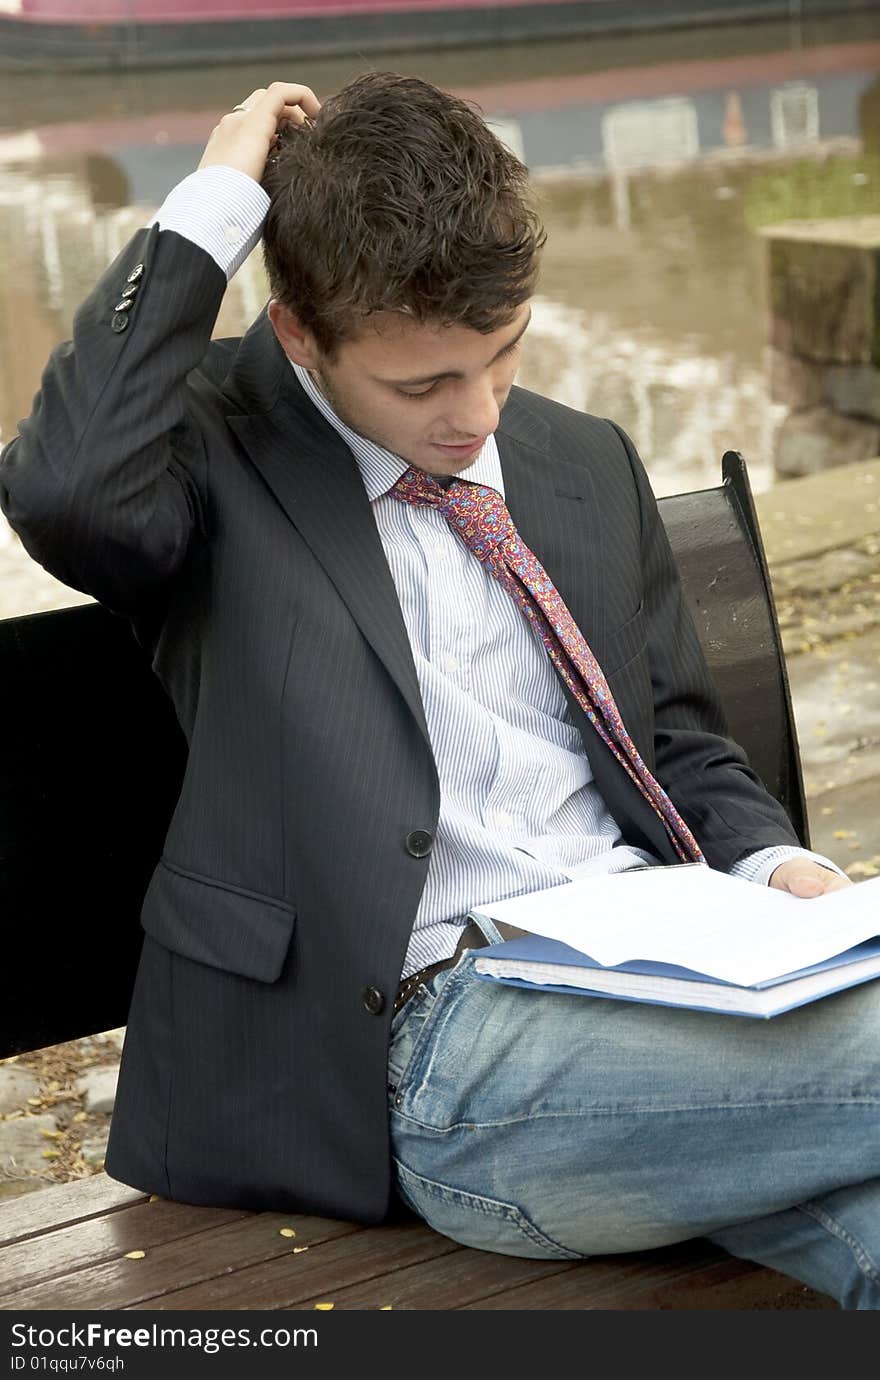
[477,413]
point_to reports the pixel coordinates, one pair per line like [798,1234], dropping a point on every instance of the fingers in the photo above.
[285,100]
[805,878]
[243,137]
[806,885]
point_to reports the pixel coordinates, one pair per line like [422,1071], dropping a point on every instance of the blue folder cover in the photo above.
[534,948]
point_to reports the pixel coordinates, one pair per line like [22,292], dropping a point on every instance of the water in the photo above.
[657,157]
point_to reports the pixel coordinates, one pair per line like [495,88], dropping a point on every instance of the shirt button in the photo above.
[503,818]
[373,1000]
[232,233]
[419,843]
[450,662]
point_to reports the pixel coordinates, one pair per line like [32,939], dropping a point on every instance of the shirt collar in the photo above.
[381,468]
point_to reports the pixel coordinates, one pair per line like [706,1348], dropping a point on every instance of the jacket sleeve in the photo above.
[706,773]
[106,483]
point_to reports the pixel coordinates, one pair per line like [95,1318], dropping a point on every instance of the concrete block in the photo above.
[853,389]
[823,288]
[22,1144]
[819,439]
[796,382]
[94,1149]
[98,1087]
[16,1086]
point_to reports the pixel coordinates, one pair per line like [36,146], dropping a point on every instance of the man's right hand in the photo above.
[243,138]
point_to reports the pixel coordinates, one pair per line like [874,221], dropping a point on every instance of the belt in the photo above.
[471,937]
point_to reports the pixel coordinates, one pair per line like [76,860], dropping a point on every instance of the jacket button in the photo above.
[373,999]
[135,273]
[419,843]
[119,322]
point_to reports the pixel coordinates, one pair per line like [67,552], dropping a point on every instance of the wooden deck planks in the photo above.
[99,1240]
[367,1257]
[65,1248]
[172,1260]
[48,1208]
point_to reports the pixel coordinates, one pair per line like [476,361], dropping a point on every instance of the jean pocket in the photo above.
[485,1224]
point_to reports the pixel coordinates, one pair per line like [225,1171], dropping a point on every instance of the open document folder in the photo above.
[687,936]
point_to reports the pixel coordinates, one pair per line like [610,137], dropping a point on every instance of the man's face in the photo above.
[412,388]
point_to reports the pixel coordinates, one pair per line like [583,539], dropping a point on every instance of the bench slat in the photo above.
[463,1279]
[56,1206]
[368,1256]
[693,1278]
[199,1265]
[98,1240]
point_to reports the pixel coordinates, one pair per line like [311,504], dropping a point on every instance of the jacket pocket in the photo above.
[624,643]
[217,924]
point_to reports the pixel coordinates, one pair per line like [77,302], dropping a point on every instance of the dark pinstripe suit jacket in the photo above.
[194,488]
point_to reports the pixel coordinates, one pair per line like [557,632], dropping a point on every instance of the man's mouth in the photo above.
[459,449]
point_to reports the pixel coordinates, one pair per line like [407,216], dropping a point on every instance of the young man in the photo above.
[388,723]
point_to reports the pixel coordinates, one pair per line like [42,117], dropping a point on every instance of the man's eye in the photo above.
[424,393]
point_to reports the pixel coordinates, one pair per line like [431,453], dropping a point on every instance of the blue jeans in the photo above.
[545,1125]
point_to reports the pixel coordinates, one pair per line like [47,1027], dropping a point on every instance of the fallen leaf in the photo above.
[51,1135]
[843,833]
[49,1154]
[135,1255]
[324,1307]
[286,1231]
[80,1116]
[386,1308]
[298,1249]
[862,869]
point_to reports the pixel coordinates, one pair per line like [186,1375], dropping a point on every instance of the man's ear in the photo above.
[296,342]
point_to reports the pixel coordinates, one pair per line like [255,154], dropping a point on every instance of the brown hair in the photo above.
[398,198]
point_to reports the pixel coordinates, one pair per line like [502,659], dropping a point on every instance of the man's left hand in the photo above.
[803,877]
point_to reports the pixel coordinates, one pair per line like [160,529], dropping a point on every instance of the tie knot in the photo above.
[476,512]
[418,487]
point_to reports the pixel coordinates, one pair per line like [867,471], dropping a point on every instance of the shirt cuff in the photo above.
[218,208]
[759,867]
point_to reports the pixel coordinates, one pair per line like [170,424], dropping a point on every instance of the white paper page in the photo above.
[699,919]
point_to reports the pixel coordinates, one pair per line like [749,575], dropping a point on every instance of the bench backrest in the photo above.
[93,760]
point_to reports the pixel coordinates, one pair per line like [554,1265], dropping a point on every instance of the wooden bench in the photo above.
[93,761]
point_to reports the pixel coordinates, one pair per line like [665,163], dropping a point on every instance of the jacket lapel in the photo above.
[553,505]
[316,479]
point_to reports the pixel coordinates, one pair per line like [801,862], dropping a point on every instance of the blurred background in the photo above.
[658,155]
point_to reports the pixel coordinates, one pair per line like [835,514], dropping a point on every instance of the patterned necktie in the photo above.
[480,517]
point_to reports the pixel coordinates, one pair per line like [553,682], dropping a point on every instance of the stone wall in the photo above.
[824,298]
